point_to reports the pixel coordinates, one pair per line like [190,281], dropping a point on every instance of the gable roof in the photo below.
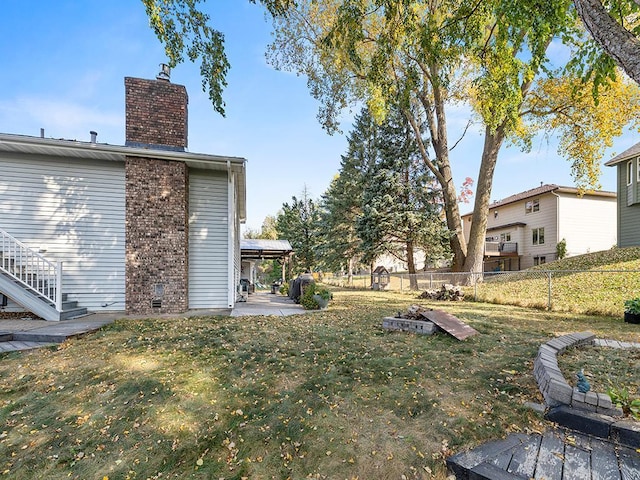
[26,144]
[628,153]
[542,189]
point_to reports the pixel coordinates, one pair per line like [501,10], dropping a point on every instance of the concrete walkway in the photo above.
[24,333]
[264,303]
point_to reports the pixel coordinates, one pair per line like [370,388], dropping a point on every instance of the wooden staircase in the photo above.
[33,282]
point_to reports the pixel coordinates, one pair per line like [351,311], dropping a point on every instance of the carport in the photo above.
[253,249]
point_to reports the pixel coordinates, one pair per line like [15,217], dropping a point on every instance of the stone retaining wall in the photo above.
[554,387]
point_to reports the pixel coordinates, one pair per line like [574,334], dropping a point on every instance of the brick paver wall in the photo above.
[157,232]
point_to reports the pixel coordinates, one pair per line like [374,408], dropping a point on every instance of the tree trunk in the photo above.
[618,42]
[350,272]
[449,194]
[411,266]
[475,249]
[371,268]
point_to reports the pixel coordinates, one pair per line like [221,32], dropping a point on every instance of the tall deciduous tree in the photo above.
[423,57]
[616,29]
[184,30]
[297,222]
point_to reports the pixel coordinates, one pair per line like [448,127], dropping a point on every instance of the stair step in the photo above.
[69,304]
[73,313]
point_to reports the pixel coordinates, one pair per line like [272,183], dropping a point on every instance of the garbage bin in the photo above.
[274,288]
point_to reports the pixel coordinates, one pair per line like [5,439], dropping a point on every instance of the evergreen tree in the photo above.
[298,223]
[401,204]
[340,247]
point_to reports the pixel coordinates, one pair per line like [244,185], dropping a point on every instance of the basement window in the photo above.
[539,260]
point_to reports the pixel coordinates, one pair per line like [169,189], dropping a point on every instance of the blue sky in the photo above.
[63,69]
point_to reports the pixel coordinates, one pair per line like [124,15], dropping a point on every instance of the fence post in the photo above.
[549,290]
[475,286]
[430,281]
[400,283]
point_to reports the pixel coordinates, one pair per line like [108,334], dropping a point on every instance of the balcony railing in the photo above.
[500,248]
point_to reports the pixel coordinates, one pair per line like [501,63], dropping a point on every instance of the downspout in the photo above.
[557,216]
[231,280]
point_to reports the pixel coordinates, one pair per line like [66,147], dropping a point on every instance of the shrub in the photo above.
[561,249]
[632,306]
[284,288]
[621,398]
[307,300]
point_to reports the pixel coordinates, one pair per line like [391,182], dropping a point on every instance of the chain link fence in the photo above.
[598,292]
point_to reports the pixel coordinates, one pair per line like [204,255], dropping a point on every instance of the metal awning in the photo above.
[259,249]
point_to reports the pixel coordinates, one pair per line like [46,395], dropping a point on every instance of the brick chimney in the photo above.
[157,199]
[156,114]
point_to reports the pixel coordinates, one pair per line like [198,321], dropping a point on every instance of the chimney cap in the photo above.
[165,72]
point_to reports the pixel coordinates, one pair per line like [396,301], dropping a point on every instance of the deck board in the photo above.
[577,463]
[558,454]
[450,324]
[604,462]
[525,458]
[550,456]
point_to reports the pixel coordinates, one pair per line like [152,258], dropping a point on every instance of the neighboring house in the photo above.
[628,214]
[146,227]
[524,229]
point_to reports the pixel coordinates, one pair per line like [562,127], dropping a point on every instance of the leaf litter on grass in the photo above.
[327,395]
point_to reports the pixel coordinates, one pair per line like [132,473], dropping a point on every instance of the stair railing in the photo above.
[31,269]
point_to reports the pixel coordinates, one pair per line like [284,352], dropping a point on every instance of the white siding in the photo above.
[237,251]
[546,218]
[588,224]
[208,239]
[73,209]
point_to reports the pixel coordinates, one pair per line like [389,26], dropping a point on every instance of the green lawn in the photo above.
[328,394]
[595,283]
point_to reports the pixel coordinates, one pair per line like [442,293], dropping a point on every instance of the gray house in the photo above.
[628,187]
[145,227]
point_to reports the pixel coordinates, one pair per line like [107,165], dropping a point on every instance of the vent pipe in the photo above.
[94,136]
[165,73]
[42,133]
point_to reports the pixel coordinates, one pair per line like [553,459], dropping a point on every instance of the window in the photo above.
[505,237]
[629,172]
[532,206]
[539,260]
[538,236]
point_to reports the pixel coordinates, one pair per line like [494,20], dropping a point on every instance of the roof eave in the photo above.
[104,151]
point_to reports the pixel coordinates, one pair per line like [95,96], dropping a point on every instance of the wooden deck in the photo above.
[558,454]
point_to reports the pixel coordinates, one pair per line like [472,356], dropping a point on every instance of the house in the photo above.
[523,230]
[146,227]
[628,187]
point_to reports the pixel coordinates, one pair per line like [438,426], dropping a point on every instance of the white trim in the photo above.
[629,172]
[230,238]
[638,169]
